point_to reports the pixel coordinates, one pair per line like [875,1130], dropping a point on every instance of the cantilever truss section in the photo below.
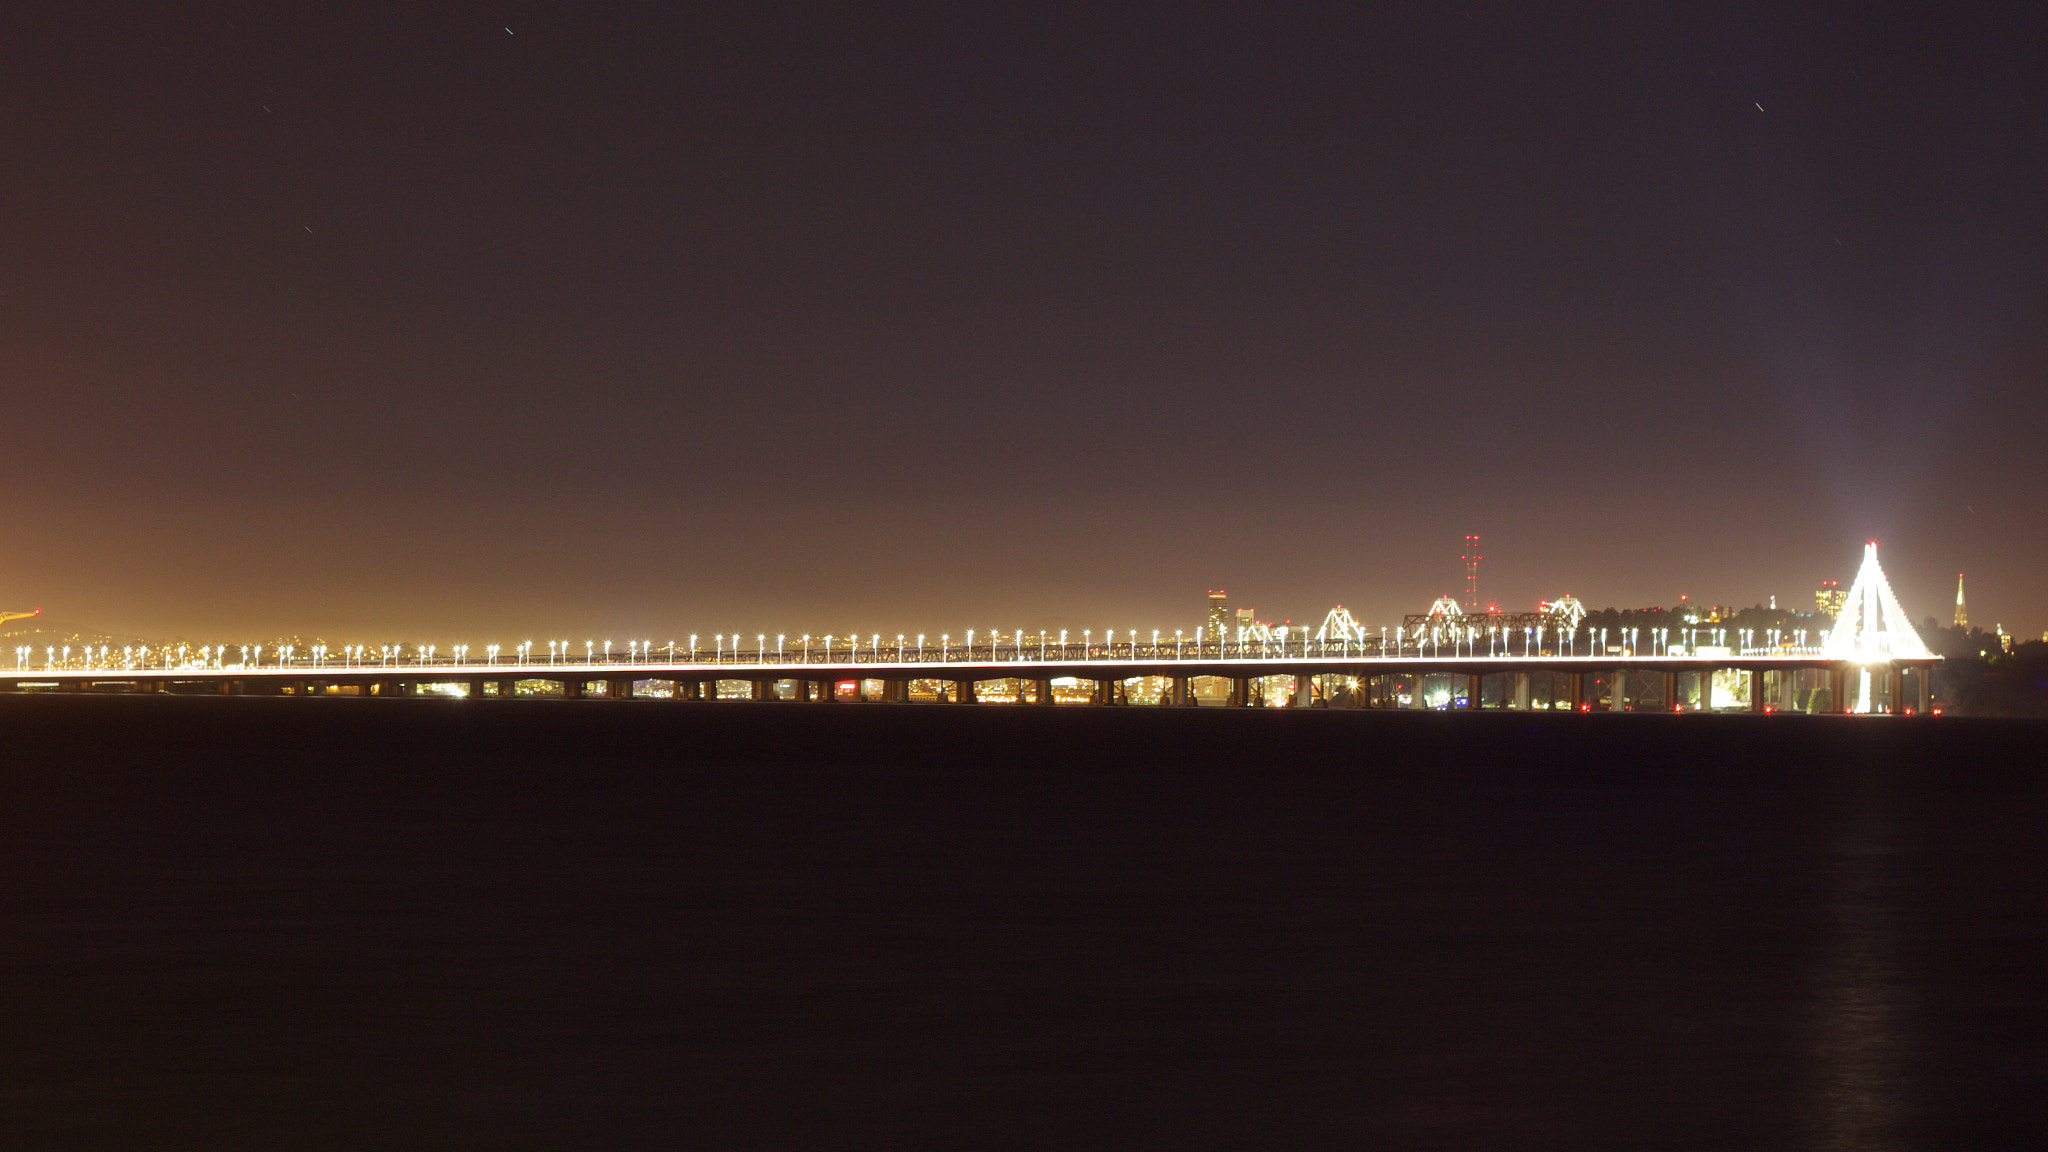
[1339,627]
[1872,626]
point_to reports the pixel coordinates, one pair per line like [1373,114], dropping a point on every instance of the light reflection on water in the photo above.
[1863,1018]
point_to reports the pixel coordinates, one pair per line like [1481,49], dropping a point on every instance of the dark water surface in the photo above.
[231,923]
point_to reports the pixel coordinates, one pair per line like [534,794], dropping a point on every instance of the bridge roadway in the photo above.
[1776,681]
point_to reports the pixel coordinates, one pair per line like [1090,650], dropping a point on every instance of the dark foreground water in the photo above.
[275,923]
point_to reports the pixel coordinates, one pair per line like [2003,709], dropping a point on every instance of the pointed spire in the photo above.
[1872,626]
[1962,614]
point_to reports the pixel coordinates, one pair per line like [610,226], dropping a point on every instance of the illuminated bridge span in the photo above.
[1305,675]
[1871,662]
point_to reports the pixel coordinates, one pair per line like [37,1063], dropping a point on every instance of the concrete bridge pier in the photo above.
[1044,689]
[963,692]
[1521,691]
[1179,692]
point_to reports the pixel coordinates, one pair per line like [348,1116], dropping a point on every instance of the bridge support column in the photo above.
[1304,692]
[1044,691]
[1578,691]
[1521,691]
[1179,692]
[963,692]
[1706,689]
[1617,690]
[1756,690]
[1838,689]
[1473,685]
[1670,691]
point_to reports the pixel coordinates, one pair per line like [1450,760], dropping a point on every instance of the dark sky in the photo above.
[490,321]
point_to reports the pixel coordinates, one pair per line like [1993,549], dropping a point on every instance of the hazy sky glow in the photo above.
[521,320]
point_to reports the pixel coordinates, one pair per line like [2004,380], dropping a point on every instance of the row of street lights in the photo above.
[728,649]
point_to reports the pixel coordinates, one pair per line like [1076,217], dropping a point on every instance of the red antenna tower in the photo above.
[1472,573]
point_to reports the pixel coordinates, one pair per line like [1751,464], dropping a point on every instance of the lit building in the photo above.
[1962,614]
[1829,598]
[1219,614]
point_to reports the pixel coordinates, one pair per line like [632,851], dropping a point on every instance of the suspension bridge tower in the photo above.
[1471,559]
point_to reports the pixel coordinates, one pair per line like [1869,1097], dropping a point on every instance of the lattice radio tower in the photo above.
[1472,573]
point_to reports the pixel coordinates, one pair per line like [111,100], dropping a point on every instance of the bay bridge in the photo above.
[1870,662]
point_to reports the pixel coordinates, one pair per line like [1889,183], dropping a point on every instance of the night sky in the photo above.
[493,322]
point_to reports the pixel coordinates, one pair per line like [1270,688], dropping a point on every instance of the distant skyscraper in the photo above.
[1962,615]
[1219,614]
[1828,599]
